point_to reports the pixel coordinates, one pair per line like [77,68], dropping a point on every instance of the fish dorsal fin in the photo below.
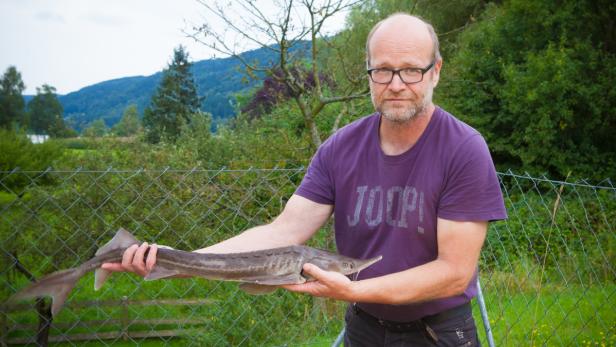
[257,289]
[122,239]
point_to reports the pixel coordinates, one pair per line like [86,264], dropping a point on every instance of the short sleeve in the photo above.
[318,185]
[472,190]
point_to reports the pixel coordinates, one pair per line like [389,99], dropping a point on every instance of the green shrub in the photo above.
[535,78]
[18,153]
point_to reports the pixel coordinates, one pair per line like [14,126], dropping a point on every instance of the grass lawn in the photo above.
[559,316]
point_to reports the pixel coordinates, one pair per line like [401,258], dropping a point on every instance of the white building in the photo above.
[37,138]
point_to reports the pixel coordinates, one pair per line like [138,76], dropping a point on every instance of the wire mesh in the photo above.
[547,272]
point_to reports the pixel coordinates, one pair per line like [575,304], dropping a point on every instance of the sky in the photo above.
[70,44]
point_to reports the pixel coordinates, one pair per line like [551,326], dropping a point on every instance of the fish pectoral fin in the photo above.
[100,276]
[257,289]
[160,272]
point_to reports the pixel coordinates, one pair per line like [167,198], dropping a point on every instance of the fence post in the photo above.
[484,315]
[43,309]
[4,328]
[44,312]
[340,337]
[124,318]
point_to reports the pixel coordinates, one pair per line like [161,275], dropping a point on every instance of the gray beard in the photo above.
[406,116]
[410,113]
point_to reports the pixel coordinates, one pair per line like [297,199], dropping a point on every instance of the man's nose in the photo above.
[396,83]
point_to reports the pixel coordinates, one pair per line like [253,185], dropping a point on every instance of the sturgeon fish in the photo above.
[259,272]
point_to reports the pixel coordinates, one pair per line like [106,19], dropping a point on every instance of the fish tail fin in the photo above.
[57,285]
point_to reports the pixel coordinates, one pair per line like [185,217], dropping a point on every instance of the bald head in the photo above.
[404,26]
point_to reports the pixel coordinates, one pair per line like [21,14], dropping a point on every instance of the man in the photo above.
[411,183]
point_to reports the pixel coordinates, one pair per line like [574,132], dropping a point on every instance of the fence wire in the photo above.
[547,272]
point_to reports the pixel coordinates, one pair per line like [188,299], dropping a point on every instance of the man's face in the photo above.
[389,48]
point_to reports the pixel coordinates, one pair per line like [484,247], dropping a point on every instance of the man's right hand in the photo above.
[135,260]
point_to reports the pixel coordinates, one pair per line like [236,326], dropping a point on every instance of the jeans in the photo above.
[365,330]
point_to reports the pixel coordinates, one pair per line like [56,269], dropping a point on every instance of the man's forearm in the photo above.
[300,219]
[260,237]
[433,280]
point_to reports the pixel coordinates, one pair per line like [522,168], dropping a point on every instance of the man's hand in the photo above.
[328,284]
[134,260]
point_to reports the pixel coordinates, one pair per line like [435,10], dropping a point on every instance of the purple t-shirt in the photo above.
[388,205]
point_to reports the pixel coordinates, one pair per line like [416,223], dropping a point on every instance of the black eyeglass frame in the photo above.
[397,72]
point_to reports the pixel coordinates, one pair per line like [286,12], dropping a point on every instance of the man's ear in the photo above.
[436,74]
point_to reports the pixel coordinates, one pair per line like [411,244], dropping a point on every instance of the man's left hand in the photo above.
[328,284]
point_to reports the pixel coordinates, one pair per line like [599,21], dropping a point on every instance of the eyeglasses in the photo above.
[407,75]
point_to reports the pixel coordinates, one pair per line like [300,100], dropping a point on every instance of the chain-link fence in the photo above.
[547,273]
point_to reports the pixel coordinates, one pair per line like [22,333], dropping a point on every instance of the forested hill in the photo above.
[217,81]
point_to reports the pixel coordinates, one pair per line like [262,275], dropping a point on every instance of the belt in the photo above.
[422,324]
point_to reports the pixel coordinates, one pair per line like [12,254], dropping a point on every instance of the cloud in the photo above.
[105,19]
[49,16]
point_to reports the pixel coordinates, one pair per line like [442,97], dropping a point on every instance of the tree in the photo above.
[285,33]
[45,112]
[174,101]
[12,107]
[536,78]
[129,124]
[274,91]
[97,128]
